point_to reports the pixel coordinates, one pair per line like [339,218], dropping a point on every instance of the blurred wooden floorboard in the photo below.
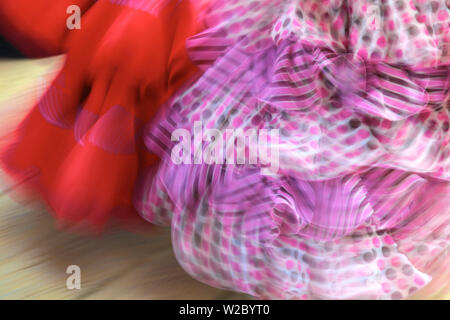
[119,265]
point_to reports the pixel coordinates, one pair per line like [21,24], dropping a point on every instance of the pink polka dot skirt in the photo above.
[359,206]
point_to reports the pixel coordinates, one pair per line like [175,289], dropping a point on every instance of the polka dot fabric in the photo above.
[359,206]
[401,31]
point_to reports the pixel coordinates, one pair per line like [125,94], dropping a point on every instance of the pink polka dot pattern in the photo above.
[402,31]
[359,91]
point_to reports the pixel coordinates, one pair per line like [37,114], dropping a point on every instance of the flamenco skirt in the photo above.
[358,206]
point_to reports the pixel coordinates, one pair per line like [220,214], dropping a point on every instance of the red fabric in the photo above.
[121,66]
[37,27]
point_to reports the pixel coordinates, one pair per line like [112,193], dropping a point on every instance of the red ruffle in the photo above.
[80,147]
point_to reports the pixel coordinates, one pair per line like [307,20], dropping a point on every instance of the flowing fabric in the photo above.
[359,205]
[81,146]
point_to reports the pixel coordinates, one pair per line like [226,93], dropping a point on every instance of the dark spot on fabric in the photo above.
[177,107]
[412,290]
[256,119]
[432,124]
[386,251]
[366,37]
[357,237]
[407,270]
[355,123]
[399,5]
[391,274]
[422,249]
[197,239]
[413,31]
[372,145]
[267,116]
[434,5]
[309,260]
[375,55]
[369,256]
[396,296]
[285,132]
[393,39]
[196,92]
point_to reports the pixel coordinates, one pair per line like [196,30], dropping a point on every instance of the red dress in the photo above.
[81,147]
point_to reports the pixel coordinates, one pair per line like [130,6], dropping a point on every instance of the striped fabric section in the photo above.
[436,82]
[122,139]
[402,199]
[53,104]
[391,94]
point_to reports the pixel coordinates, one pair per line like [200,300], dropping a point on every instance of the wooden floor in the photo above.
[34,255]
[120,265]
